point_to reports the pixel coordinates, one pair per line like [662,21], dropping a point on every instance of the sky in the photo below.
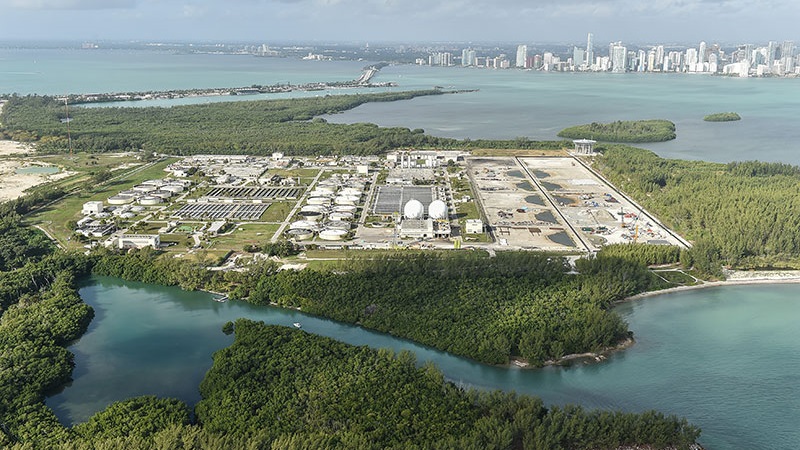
[522,21]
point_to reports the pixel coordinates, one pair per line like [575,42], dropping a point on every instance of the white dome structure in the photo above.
[437,210]
[413,209]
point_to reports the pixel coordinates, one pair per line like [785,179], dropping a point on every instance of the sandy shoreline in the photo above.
[14,155]
[735,278]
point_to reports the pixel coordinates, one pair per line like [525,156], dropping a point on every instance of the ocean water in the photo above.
[725,358]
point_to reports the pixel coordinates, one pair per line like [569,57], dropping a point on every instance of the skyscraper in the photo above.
[522,55]
[589,52]
[770,57]
[618,54]
[701,54]
[787,56]
[578,58]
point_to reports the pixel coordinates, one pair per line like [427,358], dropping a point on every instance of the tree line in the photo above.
[742,214]
[623,131]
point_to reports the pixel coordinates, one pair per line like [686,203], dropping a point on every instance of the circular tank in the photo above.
[157,183]
[324,189]
[341,216]
[350,191]
[150,200]
[161,194]
[437,210]
[413,209]
[304,224]
[310,215]
[300,234]
[120,200]
[332,235]
[344,208]
[144,188]
[315,208]
[130,193]
[318,201]
[174,188]
[346,200]
[337,225]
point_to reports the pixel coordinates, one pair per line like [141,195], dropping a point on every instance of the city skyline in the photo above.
[672,21]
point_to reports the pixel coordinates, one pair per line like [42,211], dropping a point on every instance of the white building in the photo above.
[127,241]
[474,226]
[90,208]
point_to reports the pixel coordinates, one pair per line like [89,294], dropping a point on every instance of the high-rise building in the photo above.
[579,58]
[771,50]
[787,56]
[701,54]
[589,52]
[522,55]
[618,56]
[468,57]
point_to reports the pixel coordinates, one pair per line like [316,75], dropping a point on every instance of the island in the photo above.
[722,117]
[629,131]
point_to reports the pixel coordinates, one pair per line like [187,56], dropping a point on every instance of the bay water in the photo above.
[725,358]
[506,104]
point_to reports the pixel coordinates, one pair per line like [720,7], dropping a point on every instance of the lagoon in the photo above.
[725,357]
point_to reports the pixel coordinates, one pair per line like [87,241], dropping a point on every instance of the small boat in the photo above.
[297,325]
[221,299]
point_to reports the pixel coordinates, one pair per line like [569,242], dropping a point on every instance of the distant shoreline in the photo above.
[739,278]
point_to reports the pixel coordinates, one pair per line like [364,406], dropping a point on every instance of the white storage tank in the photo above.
[162,194]
[318,201]
[300,234]
[150,200]
[332,235]
[314,208]
[144,188]
[311,215]
[344,208]
[308,224]
[337,225]
[341,216]
[174,188]
[437,210]
[120,200]
[413,209]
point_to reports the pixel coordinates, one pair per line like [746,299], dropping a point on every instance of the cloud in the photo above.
[69,4]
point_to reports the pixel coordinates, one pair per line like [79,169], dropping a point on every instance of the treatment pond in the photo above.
[725,358]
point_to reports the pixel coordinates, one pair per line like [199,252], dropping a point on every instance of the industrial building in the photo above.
[127,241]
[90,208]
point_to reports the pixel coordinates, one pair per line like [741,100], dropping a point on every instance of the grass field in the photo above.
[55,217]
[250,233]
[278,211]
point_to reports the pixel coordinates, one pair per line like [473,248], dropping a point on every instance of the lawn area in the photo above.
[278,211]
[306,175]
[249,233]
[55,217]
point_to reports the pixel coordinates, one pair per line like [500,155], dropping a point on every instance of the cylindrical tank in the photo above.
[344,208]
[174,188]
[350,191]
[144,188]
[150,200]
[341,216]
[314,208]
[332,235]
[318,200]
[162,194]
[300,234]
[310,215]
[120,200]
[304,224]
[337,225]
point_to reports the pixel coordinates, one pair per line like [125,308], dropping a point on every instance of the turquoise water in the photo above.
[725,358]
[508,103]
[37,170]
